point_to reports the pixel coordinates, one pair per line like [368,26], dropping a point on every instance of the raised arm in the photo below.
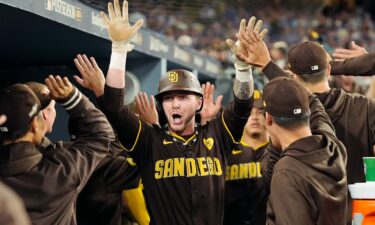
[94,131]
[93,79]
[363,65]
[110,90]
[92,76]
[243,84]
[319,119]
[126,123]
[234,117]
[121,33]
[353,61]
[355,50]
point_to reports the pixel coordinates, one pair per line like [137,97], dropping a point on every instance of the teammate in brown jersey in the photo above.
[309,64]
[305,158]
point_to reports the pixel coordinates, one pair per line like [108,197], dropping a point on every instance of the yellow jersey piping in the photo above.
[136,139]
[226,127]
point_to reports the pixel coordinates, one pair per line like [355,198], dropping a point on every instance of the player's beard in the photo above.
[255,135]
[179,129]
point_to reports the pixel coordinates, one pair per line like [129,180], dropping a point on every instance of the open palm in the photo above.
[210,108]
[118,25]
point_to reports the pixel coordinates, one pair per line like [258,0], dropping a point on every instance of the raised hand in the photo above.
[59,88]
[355,50]
[3,118]
[92,76]
[239,47]
[146,108]
[119,29]
[210,108]
[256,52]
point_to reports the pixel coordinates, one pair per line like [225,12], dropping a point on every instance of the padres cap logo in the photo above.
[173,77]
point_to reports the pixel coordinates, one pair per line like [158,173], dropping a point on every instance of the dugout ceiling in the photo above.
[42,37]
[51,32]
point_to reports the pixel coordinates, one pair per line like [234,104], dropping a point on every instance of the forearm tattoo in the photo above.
[243,90]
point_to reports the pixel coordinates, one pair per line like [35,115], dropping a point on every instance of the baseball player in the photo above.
[245,194]
[181,163]
[40,177]
[100,201]
[305,158]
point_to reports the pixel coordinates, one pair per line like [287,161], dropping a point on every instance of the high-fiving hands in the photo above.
[92,76]
[240,48]
[256,52]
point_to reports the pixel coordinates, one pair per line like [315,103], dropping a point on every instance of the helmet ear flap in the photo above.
[162,118]
[159,106]
[198,118]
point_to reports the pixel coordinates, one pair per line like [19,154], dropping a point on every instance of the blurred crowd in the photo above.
[207,29]
[218,20]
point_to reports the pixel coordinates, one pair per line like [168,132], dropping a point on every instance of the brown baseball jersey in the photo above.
[100,201]
[183,176]
[245,195]
[308,178]
[352,117]
[363,65]
[49,180]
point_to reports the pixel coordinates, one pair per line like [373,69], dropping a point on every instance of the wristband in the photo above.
[118,60]
[244,75]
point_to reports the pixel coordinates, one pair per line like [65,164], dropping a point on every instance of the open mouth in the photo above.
[176,118]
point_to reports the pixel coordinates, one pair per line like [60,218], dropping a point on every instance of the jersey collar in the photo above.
[181,140]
